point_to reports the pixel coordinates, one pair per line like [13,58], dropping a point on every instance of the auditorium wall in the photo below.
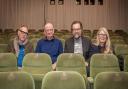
[113,14]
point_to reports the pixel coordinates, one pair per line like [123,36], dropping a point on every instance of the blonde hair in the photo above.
[107,43]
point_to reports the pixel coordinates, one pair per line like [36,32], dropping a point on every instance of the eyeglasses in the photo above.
[76,29]
[102,34]
[23,32]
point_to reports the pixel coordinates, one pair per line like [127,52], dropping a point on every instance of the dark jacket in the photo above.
[96,49]
[86,44]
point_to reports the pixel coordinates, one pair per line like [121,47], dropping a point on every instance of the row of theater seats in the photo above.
[38,64]
[117,37]
[63,80]
[64,34]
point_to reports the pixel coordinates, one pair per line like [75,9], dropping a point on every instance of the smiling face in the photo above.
[76,30]
[102,37]
[49,30]
[23,33]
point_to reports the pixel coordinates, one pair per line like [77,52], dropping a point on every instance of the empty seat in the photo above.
[8,62]
[126,63]
[3,48]
[71,62]
[64,31]
[117,37]
[1,31]
[38,64]
[34,42]
[66,36]
[31,31]
[63,80]
[117,41]
[63,42]
[119,31]
[9,30]
[121,50]
[2,40]
[111,80]
[103,62]
[16,80]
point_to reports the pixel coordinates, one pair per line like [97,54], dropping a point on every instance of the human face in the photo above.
[49,30]
[23,33]
[102,36]
[76,30]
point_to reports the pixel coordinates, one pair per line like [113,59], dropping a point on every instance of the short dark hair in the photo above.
[76,22]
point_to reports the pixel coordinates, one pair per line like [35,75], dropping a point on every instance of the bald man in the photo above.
[20,45]
[49,44]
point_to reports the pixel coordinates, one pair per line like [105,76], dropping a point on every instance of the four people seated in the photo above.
[53,46]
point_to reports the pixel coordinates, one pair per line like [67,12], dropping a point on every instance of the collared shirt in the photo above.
[52,47]
[78,46]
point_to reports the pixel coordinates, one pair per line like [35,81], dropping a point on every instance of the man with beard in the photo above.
[78,43]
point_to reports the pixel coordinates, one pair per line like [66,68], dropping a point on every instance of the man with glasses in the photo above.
[49,44]
[78,43]
[21,45]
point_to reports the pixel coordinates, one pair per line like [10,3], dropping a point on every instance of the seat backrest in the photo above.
[117,41]
[117,37]
[121,49]
[111,80]
[3,48]
[34,42]
[37,63]
[63,80]
[71,62]
[103,62]
[16,80]
[8,62]
[63,42]
[126,63]
[2,40]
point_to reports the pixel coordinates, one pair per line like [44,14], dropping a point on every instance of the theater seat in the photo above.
[102,63]
[63,80]
[71,62]
[8,62]
[38,64]
[34,42]
[126,63]
[16,80]
[111,80]
[121,50]
[3,48]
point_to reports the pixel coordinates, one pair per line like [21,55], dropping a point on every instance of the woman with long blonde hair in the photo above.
[102,44]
